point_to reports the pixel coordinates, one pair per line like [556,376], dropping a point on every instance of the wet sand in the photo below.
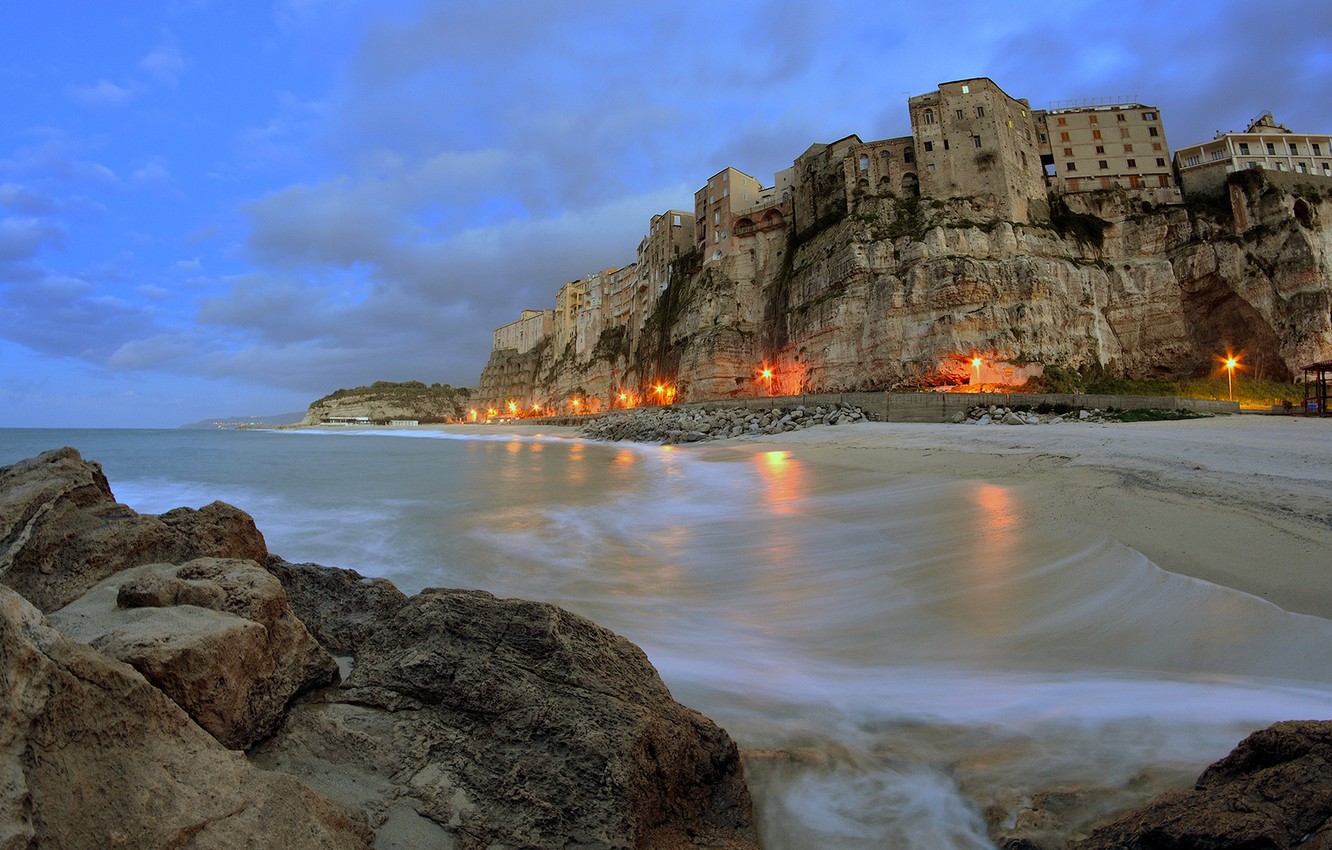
[1241,501]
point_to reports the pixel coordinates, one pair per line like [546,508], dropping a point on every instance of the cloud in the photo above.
[22,237]
[164,63]
[103,93]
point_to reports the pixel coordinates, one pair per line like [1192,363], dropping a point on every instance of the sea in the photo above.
[900,657]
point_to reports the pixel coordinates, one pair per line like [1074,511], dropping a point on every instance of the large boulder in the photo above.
[62,531]
[341,608]
[92,756]
[475,722]
[216,635]
[1274,791]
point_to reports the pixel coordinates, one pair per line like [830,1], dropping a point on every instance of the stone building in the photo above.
[1106,146]
[972,140]
[523,335]
[670,235]
[570,300]
[1265,144]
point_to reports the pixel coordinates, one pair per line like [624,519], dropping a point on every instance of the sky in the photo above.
[213,209]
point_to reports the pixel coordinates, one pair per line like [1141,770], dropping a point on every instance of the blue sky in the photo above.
[217,209]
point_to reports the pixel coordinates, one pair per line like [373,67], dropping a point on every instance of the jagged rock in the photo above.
[677,425]
[495,722]
[62,531]
[1273,791]
[341,608]
[92,756]
[216,635]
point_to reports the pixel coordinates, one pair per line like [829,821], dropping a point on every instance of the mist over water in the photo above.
[894,653]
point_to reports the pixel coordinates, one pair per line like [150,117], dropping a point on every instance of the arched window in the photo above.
[929,116]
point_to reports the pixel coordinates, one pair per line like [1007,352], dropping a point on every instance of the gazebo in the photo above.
[1316,387]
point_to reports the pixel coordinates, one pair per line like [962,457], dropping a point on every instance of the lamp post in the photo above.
[1230,376]
[976,364]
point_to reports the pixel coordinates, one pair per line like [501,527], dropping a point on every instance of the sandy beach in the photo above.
[1240,501]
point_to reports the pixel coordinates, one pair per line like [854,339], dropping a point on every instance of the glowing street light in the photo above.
[1230,375]
[976,364]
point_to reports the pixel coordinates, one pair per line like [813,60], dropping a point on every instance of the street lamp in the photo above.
[1230,375]
[976,364]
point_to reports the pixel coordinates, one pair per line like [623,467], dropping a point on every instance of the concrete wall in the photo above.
[942,407]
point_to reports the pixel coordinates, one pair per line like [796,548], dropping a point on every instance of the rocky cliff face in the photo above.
[903,292]
[386,400]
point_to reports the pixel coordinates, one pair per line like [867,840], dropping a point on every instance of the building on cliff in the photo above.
[1094,146]
[973,139]
[732,206]
[524,334]
[1264,144]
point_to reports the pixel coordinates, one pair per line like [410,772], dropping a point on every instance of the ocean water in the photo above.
[894,654]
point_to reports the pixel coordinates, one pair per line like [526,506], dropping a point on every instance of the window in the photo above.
[1218,154]
[1100,148]
[929,167]
[1063,137]
[1096,134]
[1119,116]
[1327,169]
[726,192]
[1294,151]
[908,155]
[1132,163]
[1156,146]
[975,140]
[1160,162]
[1068,151]
[1281,166]
[1070,166]
[1192,160]
[958,113]
[980,113]
[1102,164]
[1317,151]
[716,218]
[1061,120]
[1271,149]
[885,153]
[966,89]
[1043,137]
[1152,131]
[1123,132]
[945,144]
[1244,148]
[864,163]
[929,116]
[1128,148]
[1304,168]
[675,220]
[1149,116]
[1092,119]
[929,146]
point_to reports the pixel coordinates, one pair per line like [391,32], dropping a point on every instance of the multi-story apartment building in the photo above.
[730,196]
[1265,144]
[570,300]
[1106,146]
[670,234]
[973,139]
[523,335]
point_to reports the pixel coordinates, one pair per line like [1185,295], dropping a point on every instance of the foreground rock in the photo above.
[215,635]
[1274,791]
[62,531]
[341,608]
[93,756]
[504,723]
[672,425]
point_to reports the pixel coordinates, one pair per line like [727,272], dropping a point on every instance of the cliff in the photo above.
[904,291]
[384,400]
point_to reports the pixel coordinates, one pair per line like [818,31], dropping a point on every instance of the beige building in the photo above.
[570,300]
[733,199]
[670,235]
[973,139]
[1265,144]
[523,335]
[1106,146]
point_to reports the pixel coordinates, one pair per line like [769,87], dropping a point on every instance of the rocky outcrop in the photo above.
[341,608]
[384,401]
[62,531]
[467,721]
[512,723]
[1274,791]
[671,425]
[93,756]
[215,635]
